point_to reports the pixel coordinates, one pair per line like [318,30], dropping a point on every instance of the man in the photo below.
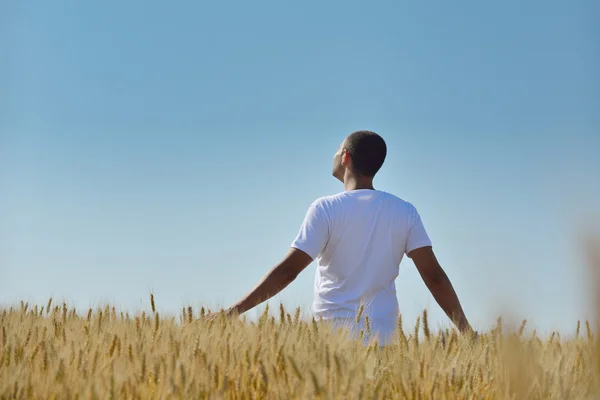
[358,238]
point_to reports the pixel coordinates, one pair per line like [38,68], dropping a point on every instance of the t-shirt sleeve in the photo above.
[314,231]
[417,235]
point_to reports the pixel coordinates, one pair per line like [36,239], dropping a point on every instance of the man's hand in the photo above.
[440,287]
[275,281]
[215,315]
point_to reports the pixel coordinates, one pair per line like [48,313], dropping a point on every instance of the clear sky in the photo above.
[175,147]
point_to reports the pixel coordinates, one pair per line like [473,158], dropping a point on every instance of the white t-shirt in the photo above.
[358,239]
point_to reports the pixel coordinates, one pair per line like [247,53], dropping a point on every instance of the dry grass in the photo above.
[52,352]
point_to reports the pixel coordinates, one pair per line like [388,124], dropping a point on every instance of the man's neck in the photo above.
[353,183]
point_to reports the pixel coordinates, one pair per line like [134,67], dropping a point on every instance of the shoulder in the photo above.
[405,207]
[399,201]
[325,206]
[329,204]
[328,200]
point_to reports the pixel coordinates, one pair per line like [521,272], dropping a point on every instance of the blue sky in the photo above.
[175,147]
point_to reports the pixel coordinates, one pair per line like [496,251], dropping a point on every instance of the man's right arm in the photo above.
[440,286]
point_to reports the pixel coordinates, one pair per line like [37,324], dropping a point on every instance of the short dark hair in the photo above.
[367,150]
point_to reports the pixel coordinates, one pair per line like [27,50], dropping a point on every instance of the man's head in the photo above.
[362,153]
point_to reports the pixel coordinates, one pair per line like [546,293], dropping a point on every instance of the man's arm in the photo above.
[307,245]
[284,273]
[439,285]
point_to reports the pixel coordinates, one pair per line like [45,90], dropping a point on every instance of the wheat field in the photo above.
[50,351]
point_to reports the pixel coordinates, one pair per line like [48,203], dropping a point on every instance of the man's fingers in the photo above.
[217,314]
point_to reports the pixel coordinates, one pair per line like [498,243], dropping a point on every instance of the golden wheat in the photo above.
[102,355]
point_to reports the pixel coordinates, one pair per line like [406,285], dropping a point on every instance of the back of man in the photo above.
[358,238]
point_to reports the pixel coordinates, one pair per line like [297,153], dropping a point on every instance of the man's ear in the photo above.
[346,160]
